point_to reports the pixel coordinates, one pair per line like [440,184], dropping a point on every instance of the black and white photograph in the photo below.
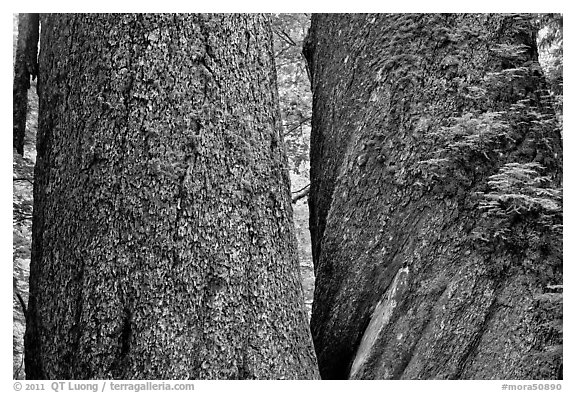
[287,196]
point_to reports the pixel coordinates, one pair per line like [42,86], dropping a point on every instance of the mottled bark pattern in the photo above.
[25,67]
[163,242]
[404,290]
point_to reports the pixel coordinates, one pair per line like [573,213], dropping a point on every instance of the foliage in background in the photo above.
[22,200]
[296,110]
[293,87]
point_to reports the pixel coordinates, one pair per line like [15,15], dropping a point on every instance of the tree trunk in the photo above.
[25,66]
[163,242]
[424,269]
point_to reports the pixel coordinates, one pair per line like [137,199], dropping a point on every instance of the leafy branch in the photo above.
[519,189]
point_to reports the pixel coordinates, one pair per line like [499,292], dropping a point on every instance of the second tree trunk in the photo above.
[435,203]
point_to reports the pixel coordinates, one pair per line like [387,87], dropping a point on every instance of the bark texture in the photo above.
[412,114]
[25,67]
[163,242]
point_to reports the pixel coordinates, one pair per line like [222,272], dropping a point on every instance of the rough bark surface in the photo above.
[163,243]
[413,279]
[25,67]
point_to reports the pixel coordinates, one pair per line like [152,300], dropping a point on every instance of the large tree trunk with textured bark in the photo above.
[435,201]
[163,243]
[25,67]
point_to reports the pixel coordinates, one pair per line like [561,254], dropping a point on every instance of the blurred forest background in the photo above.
[296,106]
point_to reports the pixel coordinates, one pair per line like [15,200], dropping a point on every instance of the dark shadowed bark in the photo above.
[163,243]
[432,260]
[25,67]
